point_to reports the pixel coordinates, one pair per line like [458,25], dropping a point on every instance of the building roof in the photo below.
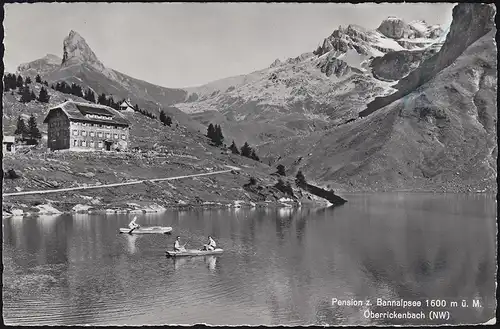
[126,103]
[77,111]
[9,139]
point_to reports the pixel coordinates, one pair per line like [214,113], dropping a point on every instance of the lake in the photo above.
[280,266]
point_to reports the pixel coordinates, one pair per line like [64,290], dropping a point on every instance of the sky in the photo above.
[189,44]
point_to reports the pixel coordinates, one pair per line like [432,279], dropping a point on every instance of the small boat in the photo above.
[193,252]
[148,230]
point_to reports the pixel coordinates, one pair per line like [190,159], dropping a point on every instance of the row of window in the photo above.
[96,116]
[85,124]
[99,134]
[87,143]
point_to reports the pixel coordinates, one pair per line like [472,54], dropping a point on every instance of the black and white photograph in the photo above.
[246,164]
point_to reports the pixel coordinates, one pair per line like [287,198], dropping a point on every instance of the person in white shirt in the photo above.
[133,225]
[211,244]
[177,245]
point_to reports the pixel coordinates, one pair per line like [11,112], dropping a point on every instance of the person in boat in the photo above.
[133,224]
[177,245]
[211,245]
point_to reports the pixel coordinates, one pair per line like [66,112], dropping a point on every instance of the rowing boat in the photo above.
[148,230]
[193,252]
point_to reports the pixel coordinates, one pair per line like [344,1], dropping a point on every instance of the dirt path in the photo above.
[121,184]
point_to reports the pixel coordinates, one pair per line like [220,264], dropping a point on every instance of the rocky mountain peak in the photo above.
[77,51]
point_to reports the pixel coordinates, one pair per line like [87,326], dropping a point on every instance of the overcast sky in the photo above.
[188,44]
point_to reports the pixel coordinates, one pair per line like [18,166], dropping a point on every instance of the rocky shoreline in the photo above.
[22,210]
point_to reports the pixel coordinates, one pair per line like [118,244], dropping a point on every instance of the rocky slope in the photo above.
[440,136]
[311,92]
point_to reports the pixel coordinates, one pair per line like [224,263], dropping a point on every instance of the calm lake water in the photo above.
[279,266]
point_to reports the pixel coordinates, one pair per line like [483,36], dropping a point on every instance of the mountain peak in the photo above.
[77,51]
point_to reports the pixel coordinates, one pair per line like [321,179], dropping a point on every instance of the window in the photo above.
[123,137]
[87,144]
[99,144]
[116,136]
[92,144]
[84,133]
[75,132]
[75,142]
[99,134]
[81,143]
[107,135]
[91,134]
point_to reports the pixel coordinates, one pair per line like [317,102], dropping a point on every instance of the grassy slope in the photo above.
[166,152]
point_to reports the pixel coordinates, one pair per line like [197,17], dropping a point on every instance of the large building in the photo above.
[86,126]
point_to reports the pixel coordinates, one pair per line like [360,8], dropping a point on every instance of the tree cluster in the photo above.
[89,95]
[30,132]
[27,95]
[215,134]
[165,119]
[72,89]
[249,152]
[12,81]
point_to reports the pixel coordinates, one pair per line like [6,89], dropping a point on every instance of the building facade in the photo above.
[85,126]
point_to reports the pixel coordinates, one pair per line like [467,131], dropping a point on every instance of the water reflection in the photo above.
[131,238]
[190,262]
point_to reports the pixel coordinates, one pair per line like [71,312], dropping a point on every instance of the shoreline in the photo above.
[50,210]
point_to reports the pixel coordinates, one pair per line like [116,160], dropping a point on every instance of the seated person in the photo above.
[211,244]
[133,224]
[177,245]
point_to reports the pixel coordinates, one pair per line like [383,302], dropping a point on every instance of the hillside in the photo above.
[156,151]
[441,136]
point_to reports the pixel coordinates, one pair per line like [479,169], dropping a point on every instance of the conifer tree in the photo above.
[234,148]
[211,131]
[136,108]
[43,97]
[25,94]
[19,81]
[281,170]
[163,117]
[46,83]
[300,179]
[168,121]
[38,79]
[32,96]
[27,81]
[21,128]
[246,150]
[33,132]
[218,137]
